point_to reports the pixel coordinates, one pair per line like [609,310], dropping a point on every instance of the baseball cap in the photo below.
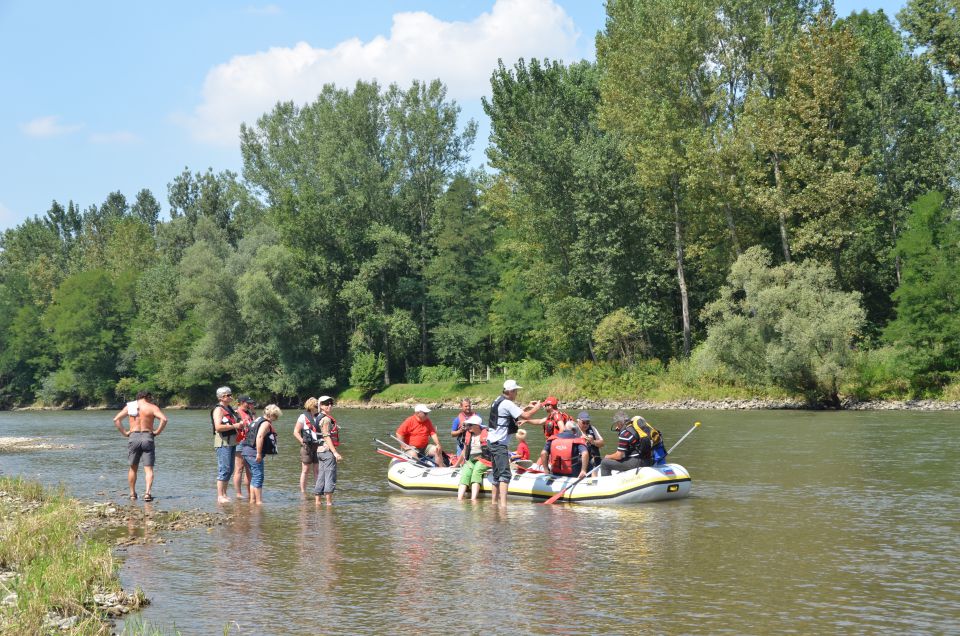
[474,419]
[324,398]
[552,401]
[584,416]
[421,408]
[511,385]
[247,399]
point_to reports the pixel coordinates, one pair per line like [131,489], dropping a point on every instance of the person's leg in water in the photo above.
[132,479]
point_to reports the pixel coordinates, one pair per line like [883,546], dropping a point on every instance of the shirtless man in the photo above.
[141,415]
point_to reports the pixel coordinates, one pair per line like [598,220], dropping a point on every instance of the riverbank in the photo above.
[58,572]
[482,399]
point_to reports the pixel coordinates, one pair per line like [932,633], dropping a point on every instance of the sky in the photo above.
[104,95]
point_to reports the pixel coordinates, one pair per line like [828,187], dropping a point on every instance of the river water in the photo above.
[798,522]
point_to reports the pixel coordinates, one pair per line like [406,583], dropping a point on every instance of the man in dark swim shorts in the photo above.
[140,447]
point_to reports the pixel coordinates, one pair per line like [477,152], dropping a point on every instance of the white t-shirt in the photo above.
[500,434]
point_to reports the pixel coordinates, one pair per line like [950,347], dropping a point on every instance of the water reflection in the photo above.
[799,522]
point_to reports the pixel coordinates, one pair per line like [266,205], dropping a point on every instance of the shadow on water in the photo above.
[798,522]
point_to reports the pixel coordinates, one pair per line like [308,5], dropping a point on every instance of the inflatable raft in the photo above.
[654,483]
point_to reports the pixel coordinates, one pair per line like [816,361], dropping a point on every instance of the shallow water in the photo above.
[798,523]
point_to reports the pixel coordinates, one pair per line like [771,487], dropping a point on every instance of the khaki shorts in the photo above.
[308,454]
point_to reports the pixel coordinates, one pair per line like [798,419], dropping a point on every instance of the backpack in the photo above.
[493,421]
[644,429]
[269,440]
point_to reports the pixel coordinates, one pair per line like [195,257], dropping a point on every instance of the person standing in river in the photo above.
[247,415]
[327,453]
[307,432]
[141,415]
[505,417]
[226,425]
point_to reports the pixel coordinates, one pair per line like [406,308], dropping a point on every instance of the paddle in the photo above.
[695,426]
[440,461]
[568,487]
[393,456]
[401,453]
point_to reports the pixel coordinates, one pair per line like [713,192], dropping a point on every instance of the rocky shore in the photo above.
[690,404]
[694,405]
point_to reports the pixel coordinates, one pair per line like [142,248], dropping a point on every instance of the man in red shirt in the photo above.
[416,433]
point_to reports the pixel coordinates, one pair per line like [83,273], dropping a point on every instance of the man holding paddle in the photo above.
[415,434]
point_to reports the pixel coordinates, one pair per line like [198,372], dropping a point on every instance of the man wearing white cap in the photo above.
[505,417]
[416,433]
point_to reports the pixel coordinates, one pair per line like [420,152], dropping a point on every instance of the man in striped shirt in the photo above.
[632,451]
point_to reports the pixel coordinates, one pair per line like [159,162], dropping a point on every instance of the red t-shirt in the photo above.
[523,451]
[415,432]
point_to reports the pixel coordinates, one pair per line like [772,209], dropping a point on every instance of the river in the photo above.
[798,522]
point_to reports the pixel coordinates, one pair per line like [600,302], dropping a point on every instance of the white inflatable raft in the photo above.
[655,483]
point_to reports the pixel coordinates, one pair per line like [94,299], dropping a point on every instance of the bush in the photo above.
[60,387]
[609,379]
[432,375]
[525,370]
[880,374]
[366,373]
[787,325]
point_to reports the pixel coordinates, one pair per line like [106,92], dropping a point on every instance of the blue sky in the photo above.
[104,96]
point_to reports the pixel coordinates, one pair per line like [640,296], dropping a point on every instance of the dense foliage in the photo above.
[732,180]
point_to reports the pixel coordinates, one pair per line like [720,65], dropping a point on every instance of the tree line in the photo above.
[757,188]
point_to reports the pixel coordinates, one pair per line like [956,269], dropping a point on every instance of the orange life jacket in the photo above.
[562,458]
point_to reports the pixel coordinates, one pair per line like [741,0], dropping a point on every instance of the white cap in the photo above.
[224,390]
[474,419]
[421,408]
[511,385]
[324,398]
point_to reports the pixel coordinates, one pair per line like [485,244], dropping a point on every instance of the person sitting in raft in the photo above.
[523,451]
[415,434]
[593,437]
[475,460]
[632,451]
[553,423]
[458,427]
[566,454]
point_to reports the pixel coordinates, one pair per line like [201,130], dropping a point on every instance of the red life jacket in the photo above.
[562,457]
[554,424]
[245,420]
[468,440]
[334,429]
[228,414]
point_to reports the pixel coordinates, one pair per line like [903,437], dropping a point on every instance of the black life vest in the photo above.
[269,440]
[310,433]
[230,415]
[494,420]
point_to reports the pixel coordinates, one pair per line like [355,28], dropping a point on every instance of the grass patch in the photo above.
[58,570]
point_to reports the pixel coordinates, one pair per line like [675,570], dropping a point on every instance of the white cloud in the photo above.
[270,9]
[48,126]
[116,137]
[461,54]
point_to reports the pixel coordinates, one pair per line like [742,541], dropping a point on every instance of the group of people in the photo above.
[236,432]
[242,440]
[571,448]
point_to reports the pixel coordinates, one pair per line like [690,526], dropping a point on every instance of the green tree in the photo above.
[788,325]
[86,320]
[928,299]
[658,93]
[935,26]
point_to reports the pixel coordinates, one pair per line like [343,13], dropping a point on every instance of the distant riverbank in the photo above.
[691,404]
